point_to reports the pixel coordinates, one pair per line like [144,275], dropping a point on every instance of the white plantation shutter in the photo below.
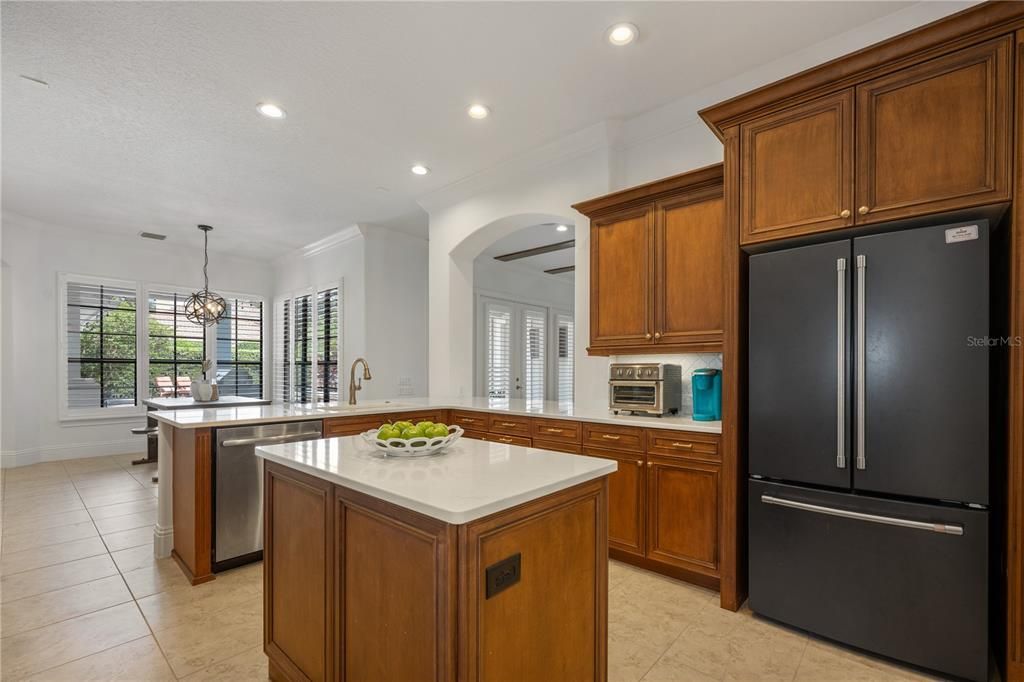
[303,348]
[328,309]
[308,346]
[498,320]
[534,323]
[566,343]
[282,350]
[100,346]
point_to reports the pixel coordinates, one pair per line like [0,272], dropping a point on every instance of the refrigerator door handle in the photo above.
[862,262]
[841,363]
[943,528]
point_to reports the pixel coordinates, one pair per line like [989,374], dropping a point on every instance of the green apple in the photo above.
[437,431]
[402,426]
[388,431]
[424,425]
[412,432]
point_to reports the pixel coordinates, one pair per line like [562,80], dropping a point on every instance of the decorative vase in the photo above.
[202,391]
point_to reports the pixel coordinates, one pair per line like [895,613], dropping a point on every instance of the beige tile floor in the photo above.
[82,598]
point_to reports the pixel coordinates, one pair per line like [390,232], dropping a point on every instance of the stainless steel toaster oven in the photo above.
[650,388]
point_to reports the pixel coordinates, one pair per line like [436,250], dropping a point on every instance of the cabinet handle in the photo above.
[650,464]
[647,336]
[639,462]
[509,424]
[863,210]
[467,419]
[552,430]
[657,335]
[505,440]
[684,446]
[608,436]
[845,213]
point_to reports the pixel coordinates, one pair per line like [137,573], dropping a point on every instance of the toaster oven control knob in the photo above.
[629,372]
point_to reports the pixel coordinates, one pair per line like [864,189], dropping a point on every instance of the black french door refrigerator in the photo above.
[868,443]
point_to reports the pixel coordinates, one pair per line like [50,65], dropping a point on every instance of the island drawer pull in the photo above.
[685,446]
[609,436]
[505,440]
[553,430]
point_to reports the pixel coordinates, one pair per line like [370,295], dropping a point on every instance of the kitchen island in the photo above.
[486,562]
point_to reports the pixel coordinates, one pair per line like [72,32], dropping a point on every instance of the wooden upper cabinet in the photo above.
[621,278]
[689,285]
[796,170]
[935,136]
[656,265]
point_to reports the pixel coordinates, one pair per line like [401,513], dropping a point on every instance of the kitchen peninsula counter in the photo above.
[279,412]
[486,562]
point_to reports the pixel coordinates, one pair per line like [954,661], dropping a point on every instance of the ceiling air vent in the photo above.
[153,235]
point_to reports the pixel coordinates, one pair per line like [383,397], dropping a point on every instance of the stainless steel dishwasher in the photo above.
[238,488]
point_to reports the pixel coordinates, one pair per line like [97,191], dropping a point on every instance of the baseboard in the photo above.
[57,453]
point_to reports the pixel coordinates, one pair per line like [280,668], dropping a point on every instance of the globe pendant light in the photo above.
[205,307]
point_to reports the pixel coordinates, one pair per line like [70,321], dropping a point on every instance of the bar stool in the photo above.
[151,435]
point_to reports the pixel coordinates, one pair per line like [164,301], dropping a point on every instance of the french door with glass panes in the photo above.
[515,345]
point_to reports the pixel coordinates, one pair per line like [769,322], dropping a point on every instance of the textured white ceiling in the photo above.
[149,120]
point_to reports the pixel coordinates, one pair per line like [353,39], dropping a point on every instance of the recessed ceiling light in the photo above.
[562,228]
[419,169]
[478,111]
[270,110]
[622,34]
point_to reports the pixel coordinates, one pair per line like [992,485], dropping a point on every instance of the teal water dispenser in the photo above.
[707,394]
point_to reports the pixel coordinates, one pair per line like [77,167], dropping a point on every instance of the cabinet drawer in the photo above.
[351,426]
[613,437]
[572,448]
[470,421]
[422,416]
[683,443]
[556,429]
[509,440]
[475,435]
[513,426]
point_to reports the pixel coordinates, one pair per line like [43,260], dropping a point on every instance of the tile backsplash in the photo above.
[687,361]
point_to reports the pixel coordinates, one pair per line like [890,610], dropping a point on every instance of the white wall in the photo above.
[33,254]
[384,275]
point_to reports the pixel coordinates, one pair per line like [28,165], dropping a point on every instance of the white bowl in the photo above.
[412,447]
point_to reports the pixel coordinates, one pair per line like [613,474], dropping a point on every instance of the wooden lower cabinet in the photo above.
[626,498]
[360,589]
[682,513]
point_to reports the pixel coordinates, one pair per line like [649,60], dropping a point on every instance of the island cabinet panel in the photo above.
[936,136]
[626,501]
[796,170]
[689,283]
[398,596]
[682,518]
[192,509]
[622,278]
[298,569]
[552,623]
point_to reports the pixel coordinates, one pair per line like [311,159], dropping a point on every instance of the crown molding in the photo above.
[340,237]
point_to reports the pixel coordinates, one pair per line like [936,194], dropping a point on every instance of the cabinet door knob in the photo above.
[845,213]
[863,210]
[650,464]
[647,336]
[657,335]
[639,462]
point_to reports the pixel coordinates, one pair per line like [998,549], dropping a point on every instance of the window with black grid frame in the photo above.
[100,323]
[240,349]
[176,346]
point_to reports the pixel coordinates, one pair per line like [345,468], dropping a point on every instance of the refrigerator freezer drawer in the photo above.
[905,580]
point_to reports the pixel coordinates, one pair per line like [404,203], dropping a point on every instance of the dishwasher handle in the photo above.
[269,440]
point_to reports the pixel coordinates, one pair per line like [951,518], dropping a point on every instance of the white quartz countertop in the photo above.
[278,412]
[470,480]
[186,403]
